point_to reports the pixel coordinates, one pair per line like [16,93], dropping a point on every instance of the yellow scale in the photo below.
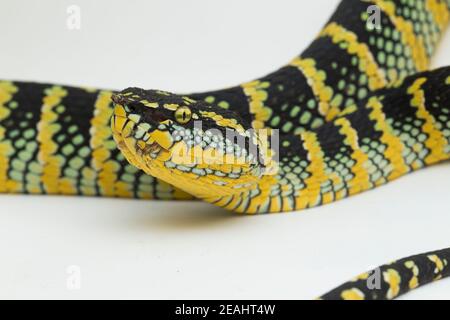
[47,157]
[7,91]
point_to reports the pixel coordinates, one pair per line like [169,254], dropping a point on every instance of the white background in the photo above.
[150,249]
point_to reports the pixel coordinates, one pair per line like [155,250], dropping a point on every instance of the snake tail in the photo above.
[389,281]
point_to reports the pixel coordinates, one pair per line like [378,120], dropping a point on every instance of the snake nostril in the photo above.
[117,99]
[132,107]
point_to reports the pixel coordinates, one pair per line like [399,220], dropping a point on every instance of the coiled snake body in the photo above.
[355,110]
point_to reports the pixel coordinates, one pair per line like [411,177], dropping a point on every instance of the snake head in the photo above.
[196,146]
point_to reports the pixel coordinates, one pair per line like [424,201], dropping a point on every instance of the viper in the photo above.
[355,110]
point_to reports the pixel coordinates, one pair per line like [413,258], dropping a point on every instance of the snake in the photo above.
[356,110]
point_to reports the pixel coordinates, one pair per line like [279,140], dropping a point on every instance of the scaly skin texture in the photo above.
[57,140]
[346,63]
[340,135]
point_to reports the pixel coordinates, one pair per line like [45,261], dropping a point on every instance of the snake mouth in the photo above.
[150,151]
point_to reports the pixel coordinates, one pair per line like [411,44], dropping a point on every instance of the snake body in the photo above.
[355,110]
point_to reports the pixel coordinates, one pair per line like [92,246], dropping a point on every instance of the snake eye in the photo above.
[183,115]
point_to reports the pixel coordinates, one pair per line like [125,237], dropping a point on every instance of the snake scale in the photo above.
[355,110]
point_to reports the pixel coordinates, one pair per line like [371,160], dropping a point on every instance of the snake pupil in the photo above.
[183,115]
